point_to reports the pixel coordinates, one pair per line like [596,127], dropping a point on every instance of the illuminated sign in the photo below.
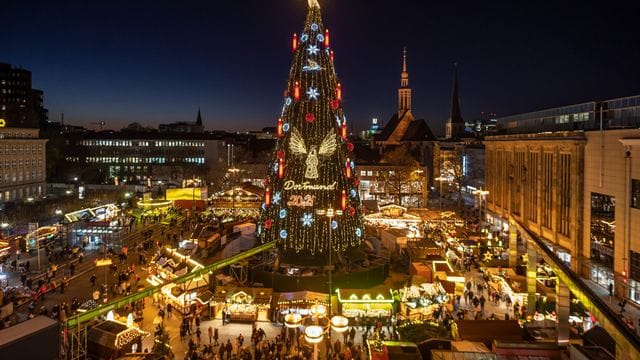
[3,123]
[292,185]
[301,200]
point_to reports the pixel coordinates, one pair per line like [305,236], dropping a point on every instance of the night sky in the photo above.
[158,61]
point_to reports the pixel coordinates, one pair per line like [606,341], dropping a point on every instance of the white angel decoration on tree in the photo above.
[298,147]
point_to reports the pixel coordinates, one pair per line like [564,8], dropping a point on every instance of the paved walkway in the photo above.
[631,311]
[226,332]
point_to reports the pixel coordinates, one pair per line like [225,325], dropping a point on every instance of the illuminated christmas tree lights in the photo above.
[312,170]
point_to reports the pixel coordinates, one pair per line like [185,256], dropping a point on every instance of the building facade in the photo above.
[137,157]
[21,106]
[568,175]
[22,164]
[612,209]
[534,178]
[388,184]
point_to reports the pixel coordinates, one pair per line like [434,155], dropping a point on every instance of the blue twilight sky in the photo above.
[158,61]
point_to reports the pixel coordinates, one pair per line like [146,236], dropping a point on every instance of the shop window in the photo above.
[602,228]
[635,193]
[634,265]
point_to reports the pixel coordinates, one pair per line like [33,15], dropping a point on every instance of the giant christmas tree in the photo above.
[313,168]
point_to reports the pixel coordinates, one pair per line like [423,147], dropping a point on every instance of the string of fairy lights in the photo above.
[313,166]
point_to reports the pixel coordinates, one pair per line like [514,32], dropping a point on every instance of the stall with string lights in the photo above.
[365,303]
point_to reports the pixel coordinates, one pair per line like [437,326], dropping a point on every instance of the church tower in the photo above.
[404,92]
[199,118]
[455,124]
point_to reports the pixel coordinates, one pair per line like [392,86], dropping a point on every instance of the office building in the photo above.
[22,164]
[21,106]
[136,157]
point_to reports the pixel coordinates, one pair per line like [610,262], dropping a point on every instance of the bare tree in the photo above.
[399,177]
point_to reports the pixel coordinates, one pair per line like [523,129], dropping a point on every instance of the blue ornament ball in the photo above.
[334,224]
[283,213]
[286,127]
[283,233]
[358,232]
[314,27]
[304,37]
[320,37]
[288,101]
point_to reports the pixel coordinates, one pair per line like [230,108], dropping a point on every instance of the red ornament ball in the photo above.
[310,117]
[352,211]
[268,223]
[280,154]
[350,147]
[356,182]
[335,103]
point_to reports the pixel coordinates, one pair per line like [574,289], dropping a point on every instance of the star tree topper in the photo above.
[313,3]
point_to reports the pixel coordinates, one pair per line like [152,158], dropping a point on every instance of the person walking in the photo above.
[215,336]
[611,289]
[210,333]
[169,309]
[228,348]
[221,352]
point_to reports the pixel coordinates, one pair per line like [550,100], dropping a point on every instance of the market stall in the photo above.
[365,303]
[94,226]
[170,264]
[442,269]
[110,339]
[243,304]
[425,249]
[298,302]
[545,275]
[508,284]
[420,301]
[421,269]
[394,216]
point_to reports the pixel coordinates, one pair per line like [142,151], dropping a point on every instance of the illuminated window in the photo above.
[635,194]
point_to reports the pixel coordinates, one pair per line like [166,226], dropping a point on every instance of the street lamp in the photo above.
[330,214]
[481,195]
[313,333]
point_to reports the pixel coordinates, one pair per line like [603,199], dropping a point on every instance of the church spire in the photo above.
[404,77]
[455,125]
[199,118]
[404,92]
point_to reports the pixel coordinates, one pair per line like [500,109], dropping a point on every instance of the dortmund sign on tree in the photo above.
[313,169]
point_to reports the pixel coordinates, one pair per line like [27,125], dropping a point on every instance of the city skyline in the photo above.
[121,63]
